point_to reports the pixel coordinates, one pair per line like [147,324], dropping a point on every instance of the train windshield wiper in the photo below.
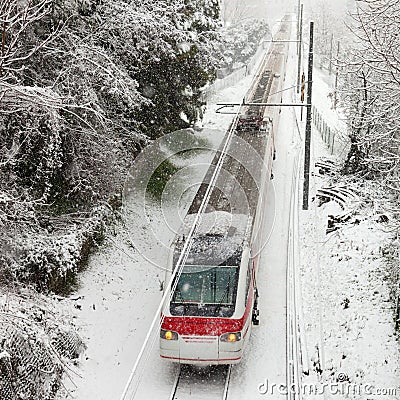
[178,293]
[225,294]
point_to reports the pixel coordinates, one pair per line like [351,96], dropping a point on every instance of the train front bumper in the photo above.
[201,350]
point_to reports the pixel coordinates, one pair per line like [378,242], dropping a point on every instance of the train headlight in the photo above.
[231,337]
[168,335]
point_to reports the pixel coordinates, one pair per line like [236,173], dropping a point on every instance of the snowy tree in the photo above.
[84,85]
[372,92]
[329,28]
[172,77]
[234,12]
[17,20]
[241,41]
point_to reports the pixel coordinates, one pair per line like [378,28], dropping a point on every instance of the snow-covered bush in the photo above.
[49,261]
[50,257]
[240,41]
[36,345]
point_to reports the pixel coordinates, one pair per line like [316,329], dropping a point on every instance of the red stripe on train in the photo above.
[202,359]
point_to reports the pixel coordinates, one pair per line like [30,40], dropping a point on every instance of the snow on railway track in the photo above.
[190,383]
[296,352]
[296,349]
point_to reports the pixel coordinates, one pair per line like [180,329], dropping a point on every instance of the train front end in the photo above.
[207,317]
[199,345]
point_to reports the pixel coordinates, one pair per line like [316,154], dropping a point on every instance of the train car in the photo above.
[250,120]
[212,303]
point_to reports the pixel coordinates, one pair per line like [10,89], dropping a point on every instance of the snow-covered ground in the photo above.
[120,291]
[348,313]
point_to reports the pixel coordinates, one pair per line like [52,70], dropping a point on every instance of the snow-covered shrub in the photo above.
[240,41]
[51,260]
[32,137]
[36,345]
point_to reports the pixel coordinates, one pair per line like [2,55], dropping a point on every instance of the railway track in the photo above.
[295,349]
[190,383]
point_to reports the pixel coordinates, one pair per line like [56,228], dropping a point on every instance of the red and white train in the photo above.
[208,317]
[212,303]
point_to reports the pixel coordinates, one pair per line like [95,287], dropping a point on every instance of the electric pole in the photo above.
[331,55]
[303,86]
[306,186]
[336,77]
[300,44]
[298,25]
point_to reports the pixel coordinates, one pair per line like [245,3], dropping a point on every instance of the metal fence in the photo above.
[338,143]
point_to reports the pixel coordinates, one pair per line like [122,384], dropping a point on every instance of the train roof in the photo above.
[219,239]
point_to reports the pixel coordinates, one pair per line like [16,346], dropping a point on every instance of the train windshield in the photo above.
[205,291]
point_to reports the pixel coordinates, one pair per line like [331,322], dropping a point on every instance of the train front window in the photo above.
[205,291]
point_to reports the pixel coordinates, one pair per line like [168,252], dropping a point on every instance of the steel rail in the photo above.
[293,348]
[297,355]
[227,381]
[176,384]
[305,367]
[175,394]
